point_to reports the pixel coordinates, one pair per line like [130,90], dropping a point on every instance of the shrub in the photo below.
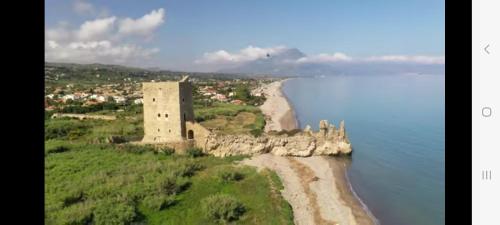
[57,149]
[231,175]
[287,132]
[48,114]
[75,134]
[194,152]
[159,202]
[222,208]
[113,213]
[256,132]
[201,118]
[138,149]
[64,129]
[166,150]
[77,214]
[115,139]
[73,198]
[171,185]
[188,169]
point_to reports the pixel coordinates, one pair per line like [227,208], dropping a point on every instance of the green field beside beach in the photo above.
[91,178]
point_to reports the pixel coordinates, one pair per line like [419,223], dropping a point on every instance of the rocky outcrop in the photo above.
[327,141]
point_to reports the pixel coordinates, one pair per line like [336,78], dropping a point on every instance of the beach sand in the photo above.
[316,187]
[339,166]
[279,113]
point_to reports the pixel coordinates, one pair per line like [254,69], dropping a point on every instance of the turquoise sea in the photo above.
[396,127]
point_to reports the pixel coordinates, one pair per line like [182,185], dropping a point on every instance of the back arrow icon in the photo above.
[486,49]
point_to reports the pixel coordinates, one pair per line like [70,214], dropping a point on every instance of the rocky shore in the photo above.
[327,141]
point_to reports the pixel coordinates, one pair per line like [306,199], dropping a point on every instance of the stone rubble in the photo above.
[327,141]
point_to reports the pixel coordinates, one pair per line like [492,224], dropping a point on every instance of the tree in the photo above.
[242,93]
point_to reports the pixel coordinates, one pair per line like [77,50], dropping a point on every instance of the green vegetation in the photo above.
[222,208]
[93,175]
[243,93]
[90,179]
[231,119]
[287,132]
[65,129]
[227,174]
[221,109]
[194,152]
[85,74]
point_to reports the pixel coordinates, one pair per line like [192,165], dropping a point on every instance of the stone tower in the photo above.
[167,108]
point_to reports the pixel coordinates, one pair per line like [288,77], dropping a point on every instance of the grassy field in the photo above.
[231,119]
[91,181]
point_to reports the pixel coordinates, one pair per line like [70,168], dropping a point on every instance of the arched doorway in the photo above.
[190,134]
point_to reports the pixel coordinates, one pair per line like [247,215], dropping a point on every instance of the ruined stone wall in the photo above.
[200,133]
[162,117]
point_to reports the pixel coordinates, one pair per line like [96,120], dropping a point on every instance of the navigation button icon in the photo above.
[486,49]
[486,175]
[486,111]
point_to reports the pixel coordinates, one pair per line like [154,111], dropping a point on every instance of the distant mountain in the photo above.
[275,64]
[284,63]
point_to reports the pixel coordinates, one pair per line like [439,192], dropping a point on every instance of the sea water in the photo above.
[396,127]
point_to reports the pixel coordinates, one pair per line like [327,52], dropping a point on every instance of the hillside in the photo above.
[63,73]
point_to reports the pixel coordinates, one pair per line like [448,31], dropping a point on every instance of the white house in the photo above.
[68,97]
[119,99]
[220,97]
[138,101]
[99,98]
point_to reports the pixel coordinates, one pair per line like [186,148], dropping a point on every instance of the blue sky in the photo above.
[191,30]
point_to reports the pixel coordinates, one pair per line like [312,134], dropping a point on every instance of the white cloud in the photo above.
[58,34]
[325,58]
[220,59]
[94,29]
[244,55]
[83,8]
[52,44]
[144,25]
[97,40]
[419,59]
[223,57]
[96,51]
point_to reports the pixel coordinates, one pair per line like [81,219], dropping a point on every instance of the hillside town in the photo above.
[128,92]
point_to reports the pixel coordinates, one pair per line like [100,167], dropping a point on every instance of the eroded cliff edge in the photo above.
[327,141]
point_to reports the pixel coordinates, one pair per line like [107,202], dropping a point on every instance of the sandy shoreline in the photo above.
[316,187]
[278,110]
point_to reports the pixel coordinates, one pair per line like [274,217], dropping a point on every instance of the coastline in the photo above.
[279,113]
[316,187]
[360,210]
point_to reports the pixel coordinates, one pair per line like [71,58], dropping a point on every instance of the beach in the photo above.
[277,109]
[316,187]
